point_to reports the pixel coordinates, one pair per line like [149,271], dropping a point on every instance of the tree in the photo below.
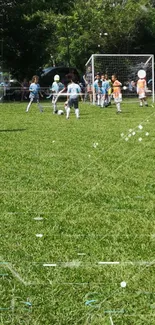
[37,32]
[108,26]
[26,31]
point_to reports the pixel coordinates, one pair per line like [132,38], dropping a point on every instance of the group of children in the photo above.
[57,88]
[104,89]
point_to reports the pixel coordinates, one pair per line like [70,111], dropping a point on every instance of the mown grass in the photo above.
[97,204]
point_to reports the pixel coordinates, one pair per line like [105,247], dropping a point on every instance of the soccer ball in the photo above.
[60,112]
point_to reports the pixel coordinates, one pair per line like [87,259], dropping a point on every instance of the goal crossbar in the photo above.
[127,65]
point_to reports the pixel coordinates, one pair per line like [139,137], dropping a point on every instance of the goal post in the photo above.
[126,67]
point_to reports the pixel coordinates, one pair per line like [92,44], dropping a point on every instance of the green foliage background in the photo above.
[39,33]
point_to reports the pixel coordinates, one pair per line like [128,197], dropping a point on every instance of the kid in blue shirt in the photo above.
[34,93]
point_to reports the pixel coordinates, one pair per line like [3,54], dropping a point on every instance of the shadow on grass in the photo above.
[13,130]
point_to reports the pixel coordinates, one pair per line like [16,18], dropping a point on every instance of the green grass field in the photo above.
[95,204]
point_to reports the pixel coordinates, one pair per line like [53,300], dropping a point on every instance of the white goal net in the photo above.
[126,67]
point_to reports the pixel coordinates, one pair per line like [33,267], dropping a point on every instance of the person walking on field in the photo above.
[117,95]
[141,91]
[57,88]
[34,93]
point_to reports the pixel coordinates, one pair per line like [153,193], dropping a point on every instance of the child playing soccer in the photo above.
[34,93]
[141,91]
[57,88]
[106,86]
[73,91]
[108,89]
[95,86]
[88,84]
[117,92]
[101,92]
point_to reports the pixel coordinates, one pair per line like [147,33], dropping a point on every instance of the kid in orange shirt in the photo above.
[117,95]
[141,91]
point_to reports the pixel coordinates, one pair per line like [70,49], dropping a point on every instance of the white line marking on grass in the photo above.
[48,106]
[16,274]
[121,311]
[111,321]
[71,264]
[28,191]
[108,263]
[138,315]
[49,264]
[77,283]
[77,263]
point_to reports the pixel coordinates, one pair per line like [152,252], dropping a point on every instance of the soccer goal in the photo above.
[126,67]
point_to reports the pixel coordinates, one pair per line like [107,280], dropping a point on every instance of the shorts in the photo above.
[142,95]
[54,98]
[73,102]
[118,98]
[34,97]
[89,88]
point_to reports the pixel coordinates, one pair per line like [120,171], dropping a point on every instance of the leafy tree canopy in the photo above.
[37,33]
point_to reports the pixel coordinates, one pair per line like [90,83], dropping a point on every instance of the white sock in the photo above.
[106,101]
[102,102]
[118,107]
[40,107]
[77,112]
[67,112]
[28,106]
[98,100]
[54,107]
